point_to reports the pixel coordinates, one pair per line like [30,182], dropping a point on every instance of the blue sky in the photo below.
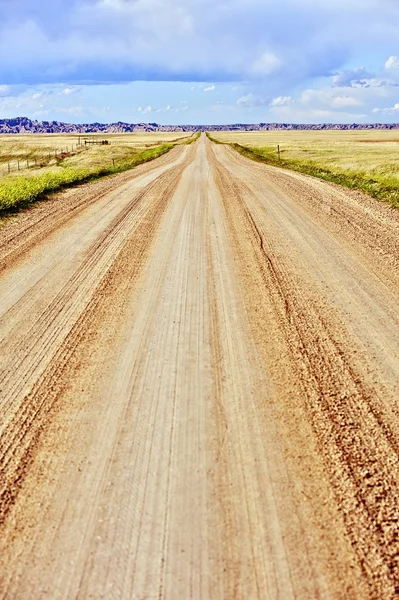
[200,61]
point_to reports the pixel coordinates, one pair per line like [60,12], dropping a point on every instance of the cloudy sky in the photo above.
[200,61]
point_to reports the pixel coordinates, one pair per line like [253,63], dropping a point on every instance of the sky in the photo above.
[200,61]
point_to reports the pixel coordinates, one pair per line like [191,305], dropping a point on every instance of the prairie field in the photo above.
[366,160]
[33,165]
[32,151]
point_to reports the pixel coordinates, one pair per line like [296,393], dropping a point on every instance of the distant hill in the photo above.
[25,125]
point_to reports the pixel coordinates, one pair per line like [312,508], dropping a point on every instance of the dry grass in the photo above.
[71,164]
[35,152]
[366,160]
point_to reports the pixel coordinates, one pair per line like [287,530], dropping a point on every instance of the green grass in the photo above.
[192,139]
[20,191]
[366,165]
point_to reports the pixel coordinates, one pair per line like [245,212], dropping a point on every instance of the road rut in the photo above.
[198,386]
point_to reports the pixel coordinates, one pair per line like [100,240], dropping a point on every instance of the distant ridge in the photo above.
[25,125]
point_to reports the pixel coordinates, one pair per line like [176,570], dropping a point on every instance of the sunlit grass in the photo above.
[98,161]
[364,160]
[21,152]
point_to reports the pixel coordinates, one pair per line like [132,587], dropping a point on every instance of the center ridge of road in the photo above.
[199,374]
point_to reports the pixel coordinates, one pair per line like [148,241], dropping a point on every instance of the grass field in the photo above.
[31,151]
[32,166]
[365,160]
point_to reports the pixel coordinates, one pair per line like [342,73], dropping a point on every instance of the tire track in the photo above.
[360,448]
[255,561]
[186,411]
[41,220]
[31,381]
[161,521]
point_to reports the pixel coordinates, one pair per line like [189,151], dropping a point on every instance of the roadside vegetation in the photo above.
[20,191]
[193,138]
[366,161]
[48,165]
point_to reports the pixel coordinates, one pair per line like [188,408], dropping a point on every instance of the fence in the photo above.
[21,163]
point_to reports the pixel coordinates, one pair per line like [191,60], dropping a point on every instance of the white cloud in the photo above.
[169,108]
[281,101]
[265,64]
[215,40]
[332,103]
[329,97]
[4,90]
[164,109]
[388,111]
[144,110]
[266,52]
[70,90]
[392,63]
[351,77]
[344,101]
[250,101]
[74,111]
[38,95]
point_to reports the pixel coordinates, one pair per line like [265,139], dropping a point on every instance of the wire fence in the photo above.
[40,160]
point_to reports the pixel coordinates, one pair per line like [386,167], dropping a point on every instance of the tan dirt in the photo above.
[198,390]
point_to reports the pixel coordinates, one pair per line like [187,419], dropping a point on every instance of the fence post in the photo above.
[278,150]
[18,167]
[9,168]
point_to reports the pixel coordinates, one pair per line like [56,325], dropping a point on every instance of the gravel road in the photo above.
[199,388]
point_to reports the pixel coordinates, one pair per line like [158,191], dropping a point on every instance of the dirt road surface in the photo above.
[199,388]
